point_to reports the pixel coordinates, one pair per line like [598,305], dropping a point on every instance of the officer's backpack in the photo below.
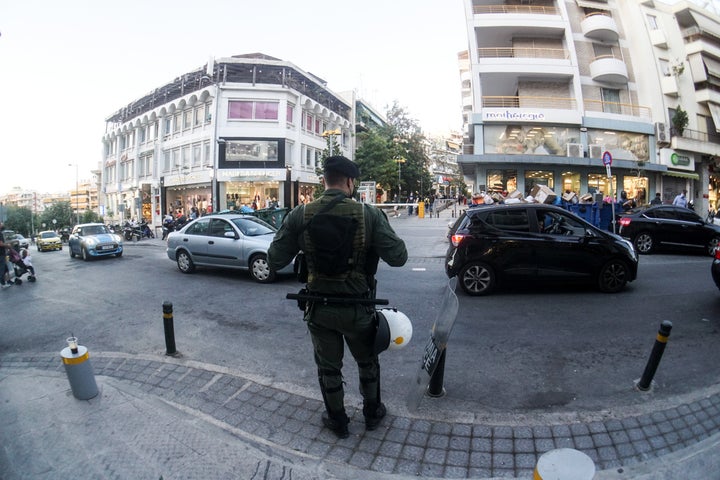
[332,239]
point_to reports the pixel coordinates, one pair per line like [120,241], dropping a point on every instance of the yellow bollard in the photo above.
[421,209]
[564,464]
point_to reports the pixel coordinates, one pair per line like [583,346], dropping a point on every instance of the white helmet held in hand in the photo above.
[394,330]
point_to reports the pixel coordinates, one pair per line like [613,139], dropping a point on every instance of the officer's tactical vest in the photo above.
[335,247]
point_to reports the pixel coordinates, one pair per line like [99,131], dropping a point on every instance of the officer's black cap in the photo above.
[342,165]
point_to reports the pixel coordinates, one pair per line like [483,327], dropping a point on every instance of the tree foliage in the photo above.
[61,212]
[19,219]
[394,156]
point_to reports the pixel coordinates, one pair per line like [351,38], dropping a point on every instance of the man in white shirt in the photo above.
[680,200]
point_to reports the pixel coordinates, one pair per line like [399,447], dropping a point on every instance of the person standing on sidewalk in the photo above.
[351,274]
[4,277]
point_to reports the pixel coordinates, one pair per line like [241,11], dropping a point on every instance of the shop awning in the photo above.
[598,5]
[713,66]
[690,175]
[715,112]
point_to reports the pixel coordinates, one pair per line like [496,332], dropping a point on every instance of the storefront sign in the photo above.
[250,175]
[529,115]
[671,158]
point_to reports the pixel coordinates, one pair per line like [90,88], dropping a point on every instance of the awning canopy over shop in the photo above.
[598,5]
[715,113]
[690,175]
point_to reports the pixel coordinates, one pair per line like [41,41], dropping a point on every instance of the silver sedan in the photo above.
[233,241]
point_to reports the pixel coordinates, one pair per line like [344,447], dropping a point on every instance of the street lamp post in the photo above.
[77,193]
[399,161]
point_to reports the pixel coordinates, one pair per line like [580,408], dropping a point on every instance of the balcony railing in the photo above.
[562,103]
[523,52]
[697,135]
[528,102]
[527,9]
[618,108]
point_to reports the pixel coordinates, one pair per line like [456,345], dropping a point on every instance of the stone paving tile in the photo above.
[402,445]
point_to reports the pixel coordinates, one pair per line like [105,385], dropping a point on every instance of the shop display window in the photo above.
[538,177]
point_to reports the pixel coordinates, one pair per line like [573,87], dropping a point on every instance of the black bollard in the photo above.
[655,356]
[169,329]
[435,387]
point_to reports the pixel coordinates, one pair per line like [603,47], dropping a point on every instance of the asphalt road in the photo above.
[553,349]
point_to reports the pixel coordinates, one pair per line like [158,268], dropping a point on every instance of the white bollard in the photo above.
[564,464]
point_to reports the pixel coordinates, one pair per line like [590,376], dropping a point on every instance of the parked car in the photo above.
[498,244]
[715,268]
[48,240]
[234,241]
[22,241]
[667,226]
[90,240]
[9,236]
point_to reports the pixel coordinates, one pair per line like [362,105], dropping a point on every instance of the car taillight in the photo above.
[624,221]
[717,253]
[456,239]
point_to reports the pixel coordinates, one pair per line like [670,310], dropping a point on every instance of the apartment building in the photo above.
[243,129]
[576,95]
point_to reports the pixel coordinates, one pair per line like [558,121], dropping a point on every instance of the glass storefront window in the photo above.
[500,181]
[538,177]
[636,188]
[599,183]
[571,182]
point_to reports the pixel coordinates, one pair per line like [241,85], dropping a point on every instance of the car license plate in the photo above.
[105,247]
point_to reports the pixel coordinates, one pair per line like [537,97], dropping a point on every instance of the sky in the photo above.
[67,66]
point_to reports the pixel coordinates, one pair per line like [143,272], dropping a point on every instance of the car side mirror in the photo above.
[230,235]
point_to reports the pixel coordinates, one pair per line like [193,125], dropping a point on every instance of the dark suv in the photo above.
[494,244]
[651,228]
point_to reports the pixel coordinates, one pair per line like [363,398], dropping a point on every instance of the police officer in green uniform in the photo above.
[350,275]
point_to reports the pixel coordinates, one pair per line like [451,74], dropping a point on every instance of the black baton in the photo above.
[337,300]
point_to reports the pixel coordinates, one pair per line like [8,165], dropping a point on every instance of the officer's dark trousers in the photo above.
[329,325]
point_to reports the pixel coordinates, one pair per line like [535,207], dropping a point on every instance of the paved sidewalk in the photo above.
[183,419]
[174,418]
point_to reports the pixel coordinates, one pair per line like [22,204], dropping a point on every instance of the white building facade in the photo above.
[240,130]
[559,89]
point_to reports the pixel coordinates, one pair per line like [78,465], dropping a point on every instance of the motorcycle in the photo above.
[137,232]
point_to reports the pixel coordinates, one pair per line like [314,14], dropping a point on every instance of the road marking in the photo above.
[418,269]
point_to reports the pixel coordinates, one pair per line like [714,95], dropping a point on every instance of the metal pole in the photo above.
[77,194]
[169,329]
[435,387]
[655,356]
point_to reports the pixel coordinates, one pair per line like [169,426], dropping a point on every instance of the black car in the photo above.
[652,228]
[496,244]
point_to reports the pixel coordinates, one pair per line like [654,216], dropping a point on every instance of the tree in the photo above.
[19,219]
[61,212]
[392,151]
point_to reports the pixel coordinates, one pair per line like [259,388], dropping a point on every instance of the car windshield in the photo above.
[48,234]
[93,230]
[252,227]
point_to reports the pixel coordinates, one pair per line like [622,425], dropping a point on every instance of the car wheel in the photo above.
[613,276]
[712,245]
[477,278]
[72,254]
[184,262]
[85,254]
[644,242]
[260,270]
[119,254]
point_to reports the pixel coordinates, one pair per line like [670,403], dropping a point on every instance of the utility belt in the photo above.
[304,297]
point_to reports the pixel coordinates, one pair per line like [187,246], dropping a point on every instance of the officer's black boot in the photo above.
[373,413]
[337,422]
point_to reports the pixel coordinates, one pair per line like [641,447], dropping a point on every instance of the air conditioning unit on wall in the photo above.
[574,150]
[596,151]
[662,133]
